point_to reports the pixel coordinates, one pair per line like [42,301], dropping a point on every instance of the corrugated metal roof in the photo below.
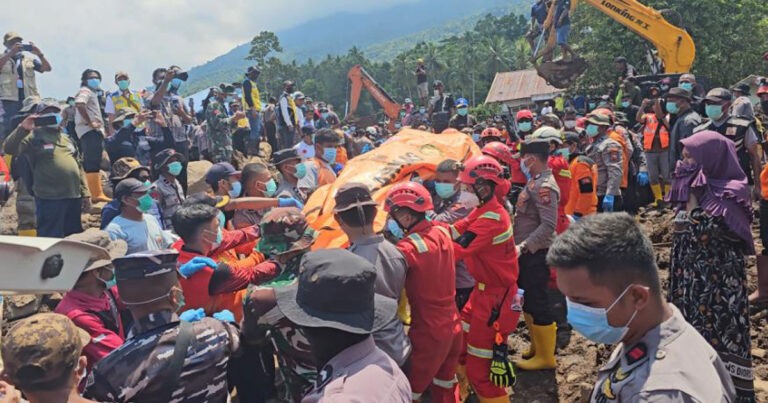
[518,85]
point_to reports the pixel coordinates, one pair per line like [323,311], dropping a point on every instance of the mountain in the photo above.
[380,34]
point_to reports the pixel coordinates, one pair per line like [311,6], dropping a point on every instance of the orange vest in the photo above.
[583,196]
[619,138]
[649,132]
[764,183]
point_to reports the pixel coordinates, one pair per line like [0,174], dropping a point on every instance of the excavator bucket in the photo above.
[562,73]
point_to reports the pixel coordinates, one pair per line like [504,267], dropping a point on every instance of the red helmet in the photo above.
[408,194]
[499,151]
[481,167]
[490,132]
[763,89]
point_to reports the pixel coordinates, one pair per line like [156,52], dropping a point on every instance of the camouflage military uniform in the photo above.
[219,131]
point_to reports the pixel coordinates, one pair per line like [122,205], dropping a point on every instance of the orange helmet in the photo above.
[490,132]
[499,151]
[408,194]
[763,89]
[481,167]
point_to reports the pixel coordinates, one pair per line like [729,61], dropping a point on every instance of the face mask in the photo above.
[445,190]
[671,107]
[174,168]
[127,122]
[108,283]
[525,169]
[123,84]
[476,137]
[402,114]
[565,152]
[714,112]
[71,103]
[394,229]
[592,105]
[593,324]
[271,188]
[462,111]
[93,83]
[329,154]
[687,86]
[180,302]
[592,130]
[525,126]
[219,238]
[569,124]
[624,104]
[301,170]
[236,189]
[145,203]
[176,83]
[147,183]
[422,110]
[54,114]
[664,87]
[222,220]
[602,103]
[437,93]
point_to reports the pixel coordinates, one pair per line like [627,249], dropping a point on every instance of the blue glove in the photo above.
[337,168]
[195,265]
[608,203]
[643,179]
[224,316]
[289,202]
[192,315]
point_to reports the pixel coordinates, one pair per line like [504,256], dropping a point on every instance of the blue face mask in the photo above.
[525,126]
[593,324]
[127,122]
[93,83]
[672,107]
[714,112]
[176,83]
[174,168]
[219,238]
[462,111]
[624,104]
[236,189]
[394,228]
[422,110]
[123,84]
[592,105]
[301,170]
[526,171]
[476,137]
[445,190]
[324,115]
[565,152]
[687,86]
[271,188]
[222,220]
[329,154]
[592,130]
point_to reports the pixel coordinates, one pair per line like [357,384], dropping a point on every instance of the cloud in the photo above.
[139,35]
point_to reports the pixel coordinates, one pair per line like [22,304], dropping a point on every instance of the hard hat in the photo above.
[370,130]
[420,60]
[524,114]
[545,133]
[490,132]
[499,151]
[481,167]
[408,194]
[462,102]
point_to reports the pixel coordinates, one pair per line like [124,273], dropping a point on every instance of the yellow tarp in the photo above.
[408,153]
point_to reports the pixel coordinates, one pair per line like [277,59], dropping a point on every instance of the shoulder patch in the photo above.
[545,195]
[614,154]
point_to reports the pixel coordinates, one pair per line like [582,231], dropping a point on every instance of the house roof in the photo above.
[518,85]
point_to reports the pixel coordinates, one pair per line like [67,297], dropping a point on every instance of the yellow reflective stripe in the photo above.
[479,352]
[421,246]
[491,215]
[503,237]
[445,384]
[454,234]
[565,173]
[443,230]
[465,326]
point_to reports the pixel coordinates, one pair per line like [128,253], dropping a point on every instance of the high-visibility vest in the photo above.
[649,132]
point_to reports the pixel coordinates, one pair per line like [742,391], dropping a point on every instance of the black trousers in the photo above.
[271,130]
[92,144]
[534,278]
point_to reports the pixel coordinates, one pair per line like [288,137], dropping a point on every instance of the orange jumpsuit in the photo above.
[583,198]
[435,333]
[562,173]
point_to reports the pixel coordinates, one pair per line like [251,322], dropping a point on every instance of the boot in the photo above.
[528,354]
[667,188]
[761,293]
[28,232]
[94,186]
[500,399]
[545,337]
[657,196]
[464,388]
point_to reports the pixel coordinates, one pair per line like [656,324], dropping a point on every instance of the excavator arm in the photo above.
[359,79]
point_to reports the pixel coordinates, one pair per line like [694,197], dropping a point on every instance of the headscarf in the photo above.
[725,190]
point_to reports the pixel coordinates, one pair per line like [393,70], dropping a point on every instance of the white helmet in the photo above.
[546,133]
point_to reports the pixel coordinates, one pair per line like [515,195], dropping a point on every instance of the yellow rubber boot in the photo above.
[532,347]
[667,188]
[500,399]
[464,388]
[403,310]
[28,232]
[545,338]
[94,186]
[657,196]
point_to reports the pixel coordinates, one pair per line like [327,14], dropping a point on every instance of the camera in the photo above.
[182,75]
[26,48]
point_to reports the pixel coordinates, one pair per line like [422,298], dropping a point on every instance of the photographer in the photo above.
[17,75]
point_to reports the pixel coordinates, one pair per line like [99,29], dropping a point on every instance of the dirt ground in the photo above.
[577,363]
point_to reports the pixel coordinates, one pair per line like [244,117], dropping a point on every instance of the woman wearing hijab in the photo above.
[712,237]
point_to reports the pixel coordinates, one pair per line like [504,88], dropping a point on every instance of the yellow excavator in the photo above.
[674,45]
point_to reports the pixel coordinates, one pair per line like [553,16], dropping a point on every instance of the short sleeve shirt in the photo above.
[91,100]
[141,236]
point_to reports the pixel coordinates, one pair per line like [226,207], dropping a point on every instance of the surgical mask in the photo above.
[176,83]
[525,169]
[624,104]
[525,126]
[147,183]
[687,86]
[237,187]
[71,103]
[602,103]
[394,228]
[565,152]
[593,324]
[422,110]
[569,124]
[672,107]
[329,154]
[144,203]
[174,168]
[476,137]
[93,83]
[402,114]
[462,111]
[436,92]
[108,283]
[127,122]
[219,238]
[592,105]
[664,87]
[445,190]
[325,115]
[592,130]
[714,112]
[123,84]
[222,220]
[181,302]
[271,188]
[301,170]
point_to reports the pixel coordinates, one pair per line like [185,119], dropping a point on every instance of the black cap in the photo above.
[219,171]
[253,69]
[535,147]
[352,195]
[718,95]
[129,186]
[144,265]
[571,137]
[286,154]
[678,92]
[335,289]
[164,157]
[742,88]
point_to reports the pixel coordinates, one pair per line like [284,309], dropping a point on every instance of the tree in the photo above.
[262,45]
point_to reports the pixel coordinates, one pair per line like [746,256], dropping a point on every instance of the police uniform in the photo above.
[671,363]
[138,371]
[608,156]
[219,131]
[743,134]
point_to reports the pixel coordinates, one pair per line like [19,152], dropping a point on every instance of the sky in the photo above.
[139,35]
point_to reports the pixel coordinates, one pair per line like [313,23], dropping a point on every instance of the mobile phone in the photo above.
[44,121]
[182,75]
[26,48]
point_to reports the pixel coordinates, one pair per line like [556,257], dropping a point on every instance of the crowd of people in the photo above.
[201,296]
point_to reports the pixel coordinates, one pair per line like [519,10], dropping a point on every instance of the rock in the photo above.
[586,391]
[96,208]
[196,176]
[571,378]
[758,352]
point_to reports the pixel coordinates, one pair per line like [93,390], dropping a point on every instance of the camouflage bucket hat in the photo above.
[124,167]
[111,249]
[285,230]
[41,349]
[29,103]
